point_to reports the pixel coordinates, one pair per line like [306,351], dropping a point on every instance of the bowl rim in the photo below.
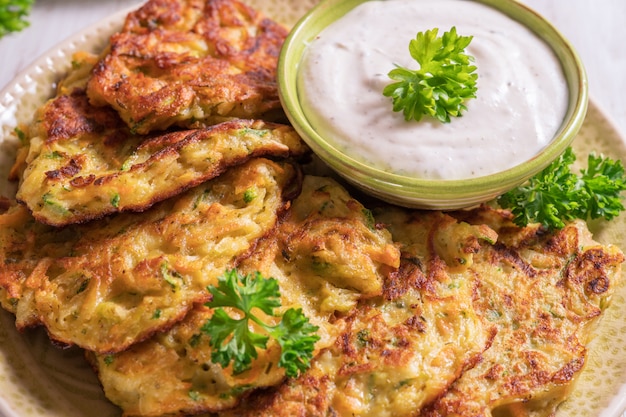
[385,181]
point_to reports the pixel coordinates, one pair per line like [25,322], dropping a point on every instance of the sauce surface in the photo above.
[521,99]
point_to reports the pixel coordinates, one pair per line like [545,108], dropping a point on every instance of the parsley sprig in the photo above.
[557,195]
[232,339]
[445,79]
[13,15]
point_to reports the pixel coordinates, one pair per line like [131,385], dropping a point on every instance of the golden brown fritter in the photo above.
[190,62]
[83,163]
[331,237]
[172,372]
[543,292]
[70,115]
[106,285]
[401,350]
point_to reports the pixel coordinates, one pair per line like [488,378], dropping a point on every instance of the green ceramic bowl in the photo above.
[419,192]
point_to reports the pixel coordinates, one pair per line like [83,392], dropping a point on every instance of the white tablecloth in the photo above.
[597,29]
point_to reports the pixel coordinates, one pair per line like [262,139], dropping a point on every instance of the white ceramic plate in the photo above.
[37,379]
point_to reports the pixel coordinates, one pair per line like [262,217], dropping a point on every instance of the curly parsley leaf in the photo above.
[445,79]
[557,195]
[296,337]
[13,15]
[242,346]
[232,338]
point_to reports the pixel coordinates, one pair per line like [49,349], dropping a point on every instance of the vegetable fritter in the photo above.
[190,63]
[401,349]
[544,293]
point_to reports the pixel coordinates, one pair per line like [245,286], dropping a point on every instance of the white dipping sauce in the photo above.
[521,98]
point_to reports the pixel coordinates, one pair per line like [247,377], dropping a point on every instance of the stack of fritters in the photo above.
[189,63]
[172,372]
[87,164]
[86,157]
[105,286]
[467,326]
[159,165]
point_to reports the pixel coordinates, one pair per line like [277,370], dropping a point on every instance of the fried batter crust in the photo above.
[544,292]
[190,62]
[402,349]
[104,286]
[172,372]
[535,294]
[83,163]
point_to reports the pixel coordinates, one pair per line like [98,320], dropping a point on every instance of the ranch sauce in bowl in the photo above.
[520,103]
